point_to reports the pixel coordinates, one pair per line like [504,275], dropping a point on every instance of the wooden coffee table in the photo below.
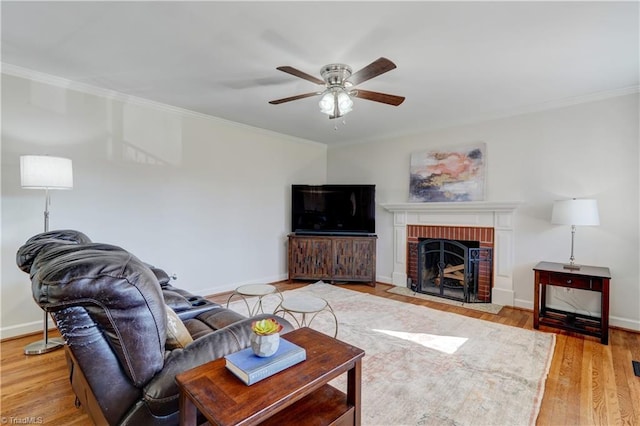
[298,395]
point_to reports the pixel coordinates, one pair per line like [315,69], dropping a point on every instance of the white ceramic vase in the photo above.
[265,346]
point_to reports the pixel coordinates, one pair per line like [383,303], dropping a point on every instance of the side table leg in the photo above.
[188,411]
[354,391]
[244,299]
[604,320]
[536,301]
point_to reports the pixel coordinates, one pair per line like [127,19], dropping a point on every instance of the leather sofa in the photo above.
[128,331]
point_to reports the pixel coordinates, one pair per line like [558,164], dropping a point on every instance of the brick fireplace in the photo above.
[489,223]
[483,236]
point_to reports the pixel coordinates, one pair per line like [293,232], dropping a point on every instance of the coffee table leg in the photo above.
[188,411]
[354,397]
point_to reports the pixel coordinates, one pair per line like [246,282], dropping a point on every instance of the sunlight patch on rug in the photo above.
[446,344]
[423,366]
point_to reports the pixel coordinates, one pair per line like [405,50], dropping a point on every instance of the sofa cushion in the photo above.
[175,300]
[177,334]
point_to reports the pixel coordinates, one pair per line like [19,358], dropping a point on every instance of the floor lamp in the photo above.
[575,212]
[44,172]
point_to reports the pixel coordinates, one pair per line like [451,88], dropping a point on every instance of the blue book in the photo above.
[251,368]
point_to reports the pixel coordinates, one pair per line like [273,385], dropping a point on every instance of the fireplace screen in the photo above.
[458,270]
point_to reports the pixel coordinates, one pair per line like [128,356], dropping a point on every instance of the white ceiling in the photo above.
[458,62]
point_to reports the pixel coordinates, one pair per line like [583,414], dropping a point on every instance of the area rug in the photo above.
[482,307]
[428,367]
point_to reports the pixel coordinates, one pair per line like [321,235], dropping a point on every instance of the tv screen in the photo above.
[333,209]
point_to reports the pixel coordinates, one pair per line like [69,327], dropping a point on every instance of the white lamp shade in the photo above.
[575,212]
[44,172]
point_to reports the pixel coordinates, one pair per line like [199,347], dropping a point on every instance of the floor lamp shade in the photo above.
[44,172]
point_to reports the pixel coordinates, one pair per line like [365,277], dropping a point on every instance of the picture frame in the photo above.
[448,174]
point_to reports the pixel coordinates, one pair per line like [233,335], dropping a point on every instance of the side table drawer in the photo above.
[573,281]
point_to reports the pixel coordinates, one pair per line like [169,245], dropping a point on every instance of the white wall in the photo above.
[583,151]
[209,200]
[202,198]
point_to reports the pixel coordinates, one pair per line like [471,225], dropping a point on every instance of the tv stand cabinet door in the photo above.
[354,259]
[332,258]
[310,258]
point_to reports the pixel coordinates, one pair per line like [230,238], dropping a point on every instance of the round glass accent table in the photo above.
[304,306]
[254,290]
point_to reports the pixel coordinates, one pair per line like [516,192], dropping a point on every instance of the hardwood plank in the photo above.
[586,390]
[552,409]
[602,375]
[628,405]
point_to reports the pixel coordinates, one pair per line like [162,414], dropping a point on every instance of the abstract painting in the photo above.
[448,174]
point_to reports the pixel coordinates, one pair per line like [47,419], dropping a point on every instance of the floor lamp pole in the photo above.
[47,201]
[45,345]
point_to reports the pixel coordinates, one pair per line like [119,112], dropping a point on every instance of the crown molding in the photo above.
[41,77]
[64,83]
[502,114]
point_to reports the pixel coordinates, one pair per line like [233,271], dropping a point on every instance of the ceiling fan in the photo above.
[339,82]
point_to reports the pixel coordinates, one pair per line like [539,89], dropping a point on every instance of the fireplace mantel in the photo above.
[469,206]
[496,214]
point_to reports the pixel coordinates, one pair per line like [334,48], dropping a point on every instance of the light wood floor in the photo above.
[588,384]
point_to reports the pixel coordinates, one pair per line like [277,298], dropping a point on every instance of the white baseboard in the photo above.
[23,329]
[626,323]
[503,297]
[232,286]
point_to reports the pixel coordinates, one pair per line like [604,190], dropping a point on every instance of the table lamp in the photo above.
[44,172]
[575,212]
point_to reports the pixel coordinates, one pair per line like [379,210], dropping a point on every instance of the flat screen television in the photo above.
[333,209]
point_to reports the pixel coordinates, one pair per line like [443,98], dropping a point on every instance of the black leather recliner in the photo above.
[114,311]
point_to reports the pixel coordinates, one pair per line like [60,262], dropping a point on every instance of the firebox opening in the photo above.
[454,269]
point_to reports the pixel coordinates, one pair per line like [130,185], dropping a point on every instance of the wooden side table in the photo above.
[592,278]
[299,392]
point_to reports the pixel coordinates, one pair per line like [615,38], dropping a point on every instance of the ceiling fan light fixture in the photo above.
[335,102]
[345,104]
[327,103]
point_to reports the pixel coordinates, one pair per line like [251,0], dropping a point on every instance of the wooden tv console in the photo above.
[333,258]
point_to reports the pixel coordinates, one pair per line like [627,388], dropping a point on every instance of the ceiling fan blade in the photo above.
[294,98]
[374,69]
[378,97]
[298,73]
